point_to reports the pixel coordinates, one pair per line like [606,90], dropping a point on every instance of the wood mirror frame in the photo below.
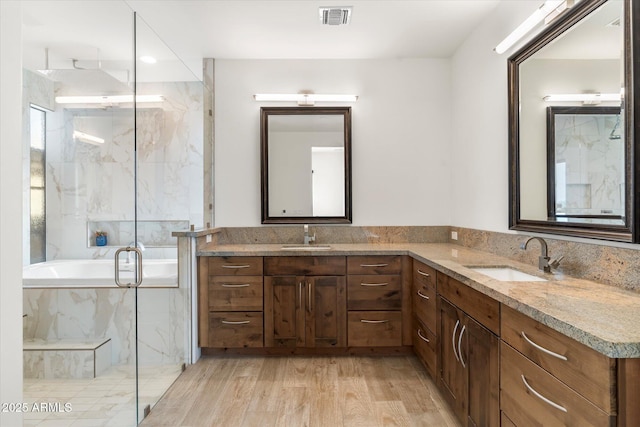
[265,113]
[624,233]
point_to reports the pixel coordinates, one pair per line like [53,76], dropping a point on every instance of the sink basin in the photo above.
[305,247]
[507,274]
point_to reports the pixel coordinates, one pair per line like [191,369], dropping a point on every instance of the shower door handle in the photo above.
[138,270]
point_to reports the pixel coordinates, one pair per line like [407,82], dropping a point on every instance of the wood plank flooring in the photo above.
[302,391]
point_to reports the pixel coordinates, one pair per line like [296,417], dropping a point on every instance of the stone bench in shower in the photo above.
[66,358]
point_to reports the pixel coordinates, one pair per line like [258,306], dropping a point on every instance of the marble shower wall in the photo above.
[95,182]
[53,314]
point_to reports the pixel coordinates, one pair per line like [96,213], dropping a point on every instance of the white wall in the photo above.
[10,208]
[479,173]
[401,128]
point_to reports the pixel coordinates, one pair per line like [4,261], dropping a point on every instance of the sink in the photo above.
[305,247]
[507,274]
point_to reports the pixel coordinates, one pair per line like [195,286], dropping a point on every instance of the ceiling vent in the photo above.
[335,15]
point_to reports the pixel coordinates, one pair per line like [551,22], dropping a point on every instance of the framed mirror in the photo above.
[572,123]
[306,165]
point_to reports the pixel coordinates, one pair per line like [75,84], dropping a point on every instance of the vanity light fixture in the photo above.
[85,137]
[587,98]
[304,98]
[107,100]
[538,16]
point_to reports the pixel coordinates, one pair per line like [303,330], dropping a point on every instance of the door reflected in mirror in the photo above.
[306,158]
[586,165]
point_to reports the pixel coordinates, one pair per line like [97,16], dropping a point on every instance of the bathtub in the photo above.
[90,273]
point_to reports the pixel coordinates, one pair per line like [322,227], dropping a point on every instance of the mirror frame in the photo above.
[265,112]
[624,233]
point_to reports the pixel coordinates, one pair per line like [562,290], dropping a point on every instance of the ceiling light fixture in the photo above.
[538,16]
[148,59]
[107,100]
[590,98]
[335,15]
[85,137]
[304,98]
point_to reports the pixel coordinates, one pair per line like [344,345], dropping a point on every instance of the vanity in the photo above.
[558,351]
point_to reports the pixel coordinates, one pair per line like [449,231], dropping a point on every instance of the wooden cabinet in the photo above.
[230,302]
[469,364]
[553,378]
[425,341]
[305,302]
[375,301]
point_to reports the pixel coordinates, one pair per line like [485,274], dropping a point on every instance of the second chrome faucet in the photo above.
[545,263]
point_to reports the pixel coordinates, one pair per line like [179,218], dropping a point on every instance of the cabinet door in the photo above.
[482,358]
[284,312]
[326,306]
[452,379]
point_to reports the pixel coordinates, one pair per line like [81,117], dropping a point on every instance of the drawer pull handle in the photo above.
[234,285]
[541,397]
[236,266]
[460,347]
[237,322]
[373,265]
[544,350]
[421,295]
[453,340]
[374,284]
[374,321]
[423,273]
[422,337]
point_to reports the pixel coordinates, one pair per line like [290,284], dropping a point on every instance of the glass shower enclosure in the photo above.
[106,323]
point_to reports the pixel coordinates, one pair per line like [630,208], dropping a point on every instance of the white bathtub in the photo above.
[90,273]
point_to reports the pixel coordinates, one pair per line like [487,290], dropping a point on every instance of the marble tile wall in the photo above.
[162,317]
[87,182]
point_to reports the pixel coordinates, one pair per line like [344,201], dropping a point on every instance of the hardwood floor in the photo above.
[302,391]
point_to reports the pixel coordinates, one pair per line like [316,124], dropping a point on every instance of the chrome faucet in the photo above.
[131,253]
[544,261]
[308,239]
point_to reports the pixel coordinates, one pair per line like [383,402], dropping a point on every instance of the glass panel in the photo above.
[169,179]
[79,329]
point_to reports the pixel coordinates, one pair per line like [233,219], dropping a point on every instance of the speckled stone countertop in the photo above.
[602,317]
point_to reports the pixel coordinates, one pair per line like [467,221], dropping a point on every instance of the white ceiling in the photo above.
[196,29]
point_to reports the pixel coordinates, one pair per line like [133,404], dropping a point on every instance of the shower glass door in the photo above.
[122,150]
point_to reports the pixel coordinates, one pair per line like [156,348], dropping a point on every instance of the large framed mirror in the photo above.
[306,165]
[572,125]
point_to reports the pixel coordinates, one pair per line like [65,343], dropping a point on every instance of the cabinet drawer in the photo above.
[424,304]
[374,328]
[235,329]
[424,275]
[235,293]
[235,266]
[375,264]
[531,396]
[305,266]
[374,292]
[425,346]
[585,370]
[482,308]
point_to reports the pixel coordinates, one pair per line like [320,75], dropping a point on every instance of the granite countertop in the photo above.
[604,318]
